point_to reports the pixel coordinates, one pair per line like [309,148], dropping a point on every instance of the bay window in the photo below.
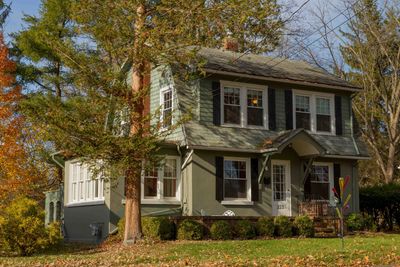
[313,111]
[243,105]
[83,186]
[162,183]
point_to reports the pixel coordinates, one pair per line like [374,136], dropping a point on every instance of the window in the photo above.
[243,105]
[303,113]
[231,105]
[84,187]
[236,179]
[321,181]
[279,182]
[167,105]
[255,111]
[314,111]
[162,183]
[323,114]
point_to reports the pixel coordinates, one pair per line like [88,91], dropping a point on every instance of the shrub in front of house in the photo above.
[160,228]
[190,230]
[360,222]
[244,229]
[283,226]
[265,226]
[22,228]
[221,230]
[304,226]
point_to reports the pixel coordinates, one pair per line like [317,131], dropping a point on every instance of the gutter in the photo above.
[55,161]
[271,79]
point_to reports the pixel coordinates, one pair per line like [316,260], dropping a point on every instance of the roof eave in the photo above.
[290,81]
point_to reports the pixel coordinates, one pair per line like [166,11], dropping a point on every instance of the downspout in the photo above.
[55,161]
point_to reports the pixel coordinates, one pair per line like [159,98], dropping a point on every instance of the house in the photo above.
[267,137]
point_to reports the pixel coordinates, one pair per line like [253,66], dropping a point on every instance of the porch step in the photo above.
[324,232]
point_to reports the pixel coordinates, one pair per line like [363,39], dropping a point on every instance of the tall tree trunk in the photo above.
[133,226]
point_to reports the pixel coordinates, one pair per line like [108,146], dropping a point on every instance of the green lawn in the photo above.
[366,250]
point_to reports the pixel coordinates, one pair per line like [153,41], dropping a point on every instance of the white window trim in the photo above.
[162,91]
[239,201]
[87,200]
[331,180]
[160,199]
[313,110]
[243,103]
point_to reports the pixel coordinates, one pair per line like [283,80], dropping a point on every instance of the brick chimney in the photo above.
[230,44]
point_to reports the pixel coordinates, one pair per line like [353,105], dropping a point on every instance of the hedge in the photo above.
[382,203]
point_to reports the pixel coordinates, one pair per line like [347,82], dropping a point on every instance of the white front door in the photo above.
[281,198]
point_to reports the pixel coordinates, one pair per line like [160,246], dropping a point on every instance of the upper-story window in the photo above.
[314,111]
[166,107]
[243,105]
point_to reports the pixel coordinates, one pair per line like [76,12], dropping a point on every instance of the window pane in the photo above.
[232,114]
[150,187]
[167,118]
[169,187]
[231,96]
[169,180]
[323,106]
[302,103]
[320,174]
[303,120]
[323,123]
[254,98]
[319,191]
[235,188]
[255,116]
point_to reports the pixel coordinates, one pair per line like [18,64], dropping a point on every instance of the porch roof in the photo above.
[301,141]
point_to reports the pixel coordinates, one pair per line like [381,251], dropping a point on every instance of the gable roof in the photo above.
[269,68]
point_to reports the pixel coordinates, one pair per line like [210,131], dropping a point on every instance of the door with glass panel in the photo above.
[281,198]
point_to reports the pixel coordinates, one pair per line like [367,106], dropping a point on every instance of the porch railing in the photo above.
[316,208]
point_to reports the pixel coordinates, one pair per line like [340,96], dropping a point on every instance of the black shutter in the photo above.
[216,94]
[338,115]
[289,109]
[336,176]
[271,109]
[219,178]
[254,179]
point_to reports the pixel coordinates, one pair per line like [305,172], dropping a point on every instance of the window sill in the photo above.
[86,203]
[237,202]
[244,127]
[156,202]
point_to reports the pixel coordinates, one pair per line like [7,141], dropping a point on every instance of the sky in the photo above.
[19,8]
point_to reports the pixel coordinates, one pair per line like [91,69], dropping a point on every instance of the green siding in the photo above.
[202,184]
[206,101]
[161,77]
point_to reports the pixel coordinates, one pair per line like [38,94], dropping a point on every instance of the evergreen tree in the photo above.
[143,35]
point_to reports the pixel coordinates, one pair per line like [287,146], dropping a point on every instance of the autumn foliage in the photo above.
[18,175]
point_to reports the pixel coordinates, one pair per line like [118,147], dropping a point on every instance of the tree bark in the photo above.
[133,225]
